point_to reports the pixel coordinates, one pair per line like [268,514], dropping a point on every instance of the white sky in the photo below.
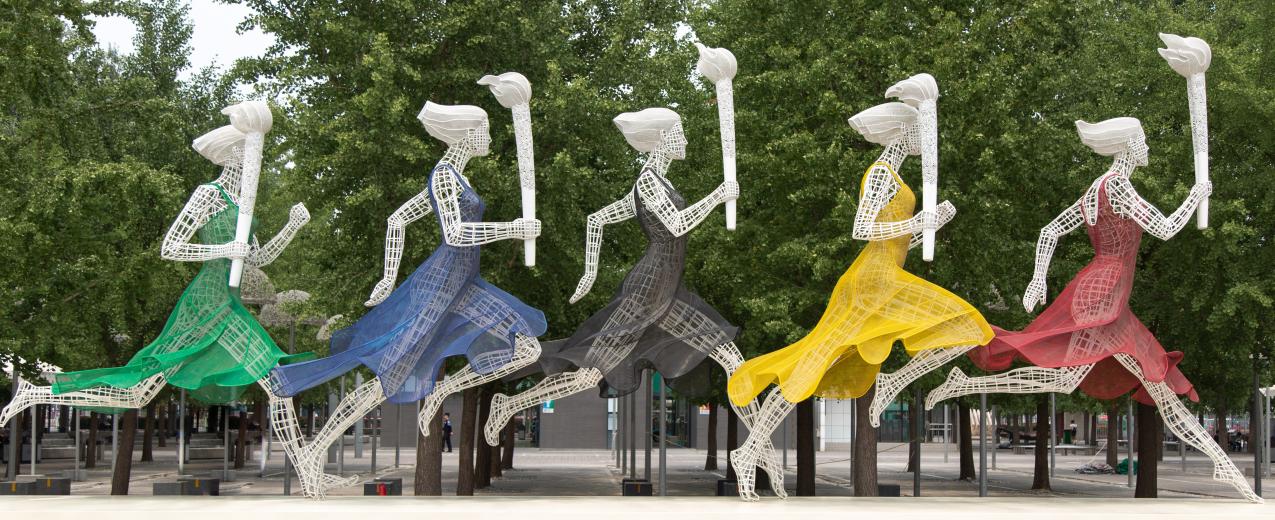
[214,40]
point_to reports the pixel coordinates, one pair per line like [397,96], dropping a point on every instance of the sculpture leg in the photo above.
[526,352]
[557,386]
[889,385]
[1027,380]
[747,457]
[729,357]
[135,396]
[1182,423]
[308,459]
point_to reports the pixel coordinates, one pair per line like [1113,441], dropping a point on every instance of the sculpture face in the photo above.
[675,142]
[479,139]
[1138,150]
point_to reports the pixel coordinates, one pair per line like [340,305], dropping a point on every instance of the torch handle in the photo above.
[253,143]
[726,120]
[929,175]
[526,174]
[1198,102]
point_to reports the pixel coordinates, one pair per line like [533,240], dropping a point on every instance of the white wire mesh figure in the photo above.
[1089,338]
[653,321]
[444,309]
[876,302]
[211,345]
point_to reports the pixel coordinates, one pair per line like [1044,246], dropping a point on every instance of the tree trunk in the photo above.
[469,409]
[241,442]
[511,436]
[1040,471]
[40,414]
[124,458]
[213,423]
[965,434]
[90,455]
[1223,433]
[914,447]
[149,436]
[732,440]
[1149,442]
[482,462]
[429,458]
[64,419]
[1113,433]
[163,418]
[806,448]
[865,448]
[710,462]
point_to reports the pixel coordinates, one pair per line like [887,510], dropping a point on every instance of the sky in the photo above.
[214,41]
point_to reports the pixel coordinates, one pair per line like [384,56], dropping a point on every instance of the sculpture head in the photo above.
[890,123]
[1114,137]
[458,125]
[219,145]
[653,129]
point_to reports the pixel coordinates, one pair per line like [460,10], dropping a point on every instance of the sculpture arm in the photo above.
[614,212]
[679,222]
[457,232]
[1067,221]
[1126,202]
[177,245]
[879,188]
[265,255]
[416,207]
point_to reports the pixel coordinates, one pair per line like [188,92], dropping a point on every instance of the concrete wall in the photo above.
[578,422]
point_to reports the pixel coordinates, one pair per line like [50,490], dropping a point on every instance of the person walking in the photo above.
[447,432]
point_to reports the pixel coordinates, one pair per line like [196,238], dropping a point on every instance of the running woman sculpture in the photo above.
[443,309]
[211,345]
[876,302]
[1089,337]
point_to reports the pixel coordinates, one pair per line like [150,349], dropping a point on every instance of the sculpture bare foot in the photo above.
[495,426]
[18,404]
[950,388]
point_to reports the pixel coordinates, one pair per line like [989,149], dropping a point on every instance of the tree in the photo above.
[805,447]
[710,461]
[865,448]
[124,457]
[1150,431]
[465,478]
[964,439]
[1040,468]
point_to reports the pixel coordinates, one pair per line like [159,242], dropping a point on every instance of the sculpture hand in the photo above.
[1204,189]
[237,250]
[381,291]
[1035,294]
[526,228]
[945,213]
[728,190]
[1187,56]
[583,288]
[298,214]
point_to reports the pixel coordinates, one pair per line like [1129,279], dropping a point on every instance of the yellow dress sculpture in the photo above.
[874,303]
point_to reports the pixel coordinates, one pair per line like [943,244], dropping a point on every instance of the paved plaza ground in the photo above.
[593,473]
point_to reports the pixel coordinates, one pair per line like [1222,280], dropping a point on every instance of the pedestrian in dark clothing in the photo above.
[447,432]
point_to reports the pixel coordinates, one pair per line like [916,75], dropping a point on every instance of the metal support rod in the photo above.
[854,435]
[267,430]
[785,446]
[15,436]
[358,425]
[917,431]
[181,434]
[996,434]
[340,452]
[1266,437]
[225,434]
[398,435]
[947,427]
[1053,434]
[620,459]
[631,426]
[982,445]
[646,424]
[663,444]
[35,414]
[1130,429]
[375,433]
[75,473]
[1182,453]
[1255,433]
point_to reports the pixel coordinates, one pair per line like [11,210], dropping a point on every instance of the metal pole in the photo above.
[646,423]
[268,428]
[854,435]
[916,437]
[35,414]
[663,445]
[358,425]
[982,446]
[620,459]
[376,433]
[1053,435]
[947,427]
[75,475]
[225,435]
[1266,436]
[181,434]
[1255,431]
[996,434]
[340,453]
[1130,429]
[632,435]
[398,434]
[15,436]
